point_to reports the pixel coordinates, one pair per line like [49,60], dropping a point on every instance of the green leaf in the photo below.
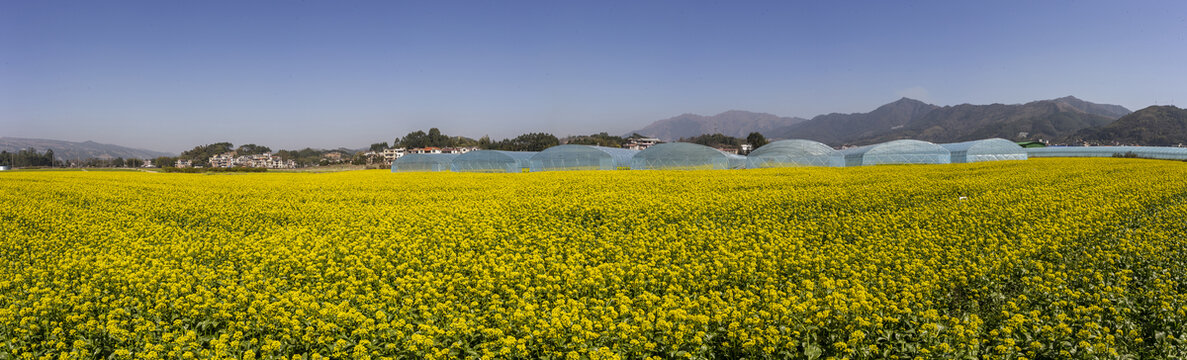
[812,351]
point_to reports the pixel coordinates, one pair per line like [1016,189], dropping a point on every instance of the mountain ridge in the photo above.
[1041,120]
[736,123]
[836,128]
[909,118]
[1154,125]
[70,150]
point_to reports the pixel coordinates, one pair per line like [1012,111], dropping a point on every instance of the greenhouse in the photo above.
[423,162]
[685,156]
[897,152]
[492,161]
[791,153]
[582,157]
[985,150]
[1149,152]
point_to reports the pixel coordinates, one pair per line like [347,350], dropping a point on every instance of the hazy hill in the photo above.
[734,123]
[1106,110]
[1152,126]
[837,129]
[905,118]
[69,150]
[1044,119]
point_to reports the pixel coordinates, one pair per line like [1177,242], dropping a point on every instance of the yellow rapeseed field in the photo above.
[1046,258]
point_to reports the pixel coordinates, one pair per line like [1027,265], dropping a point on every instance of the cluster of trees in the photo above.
[377,147]
[163,161]
[434,138]
[27,158]
[311,157]
[421,139]
[252,149]
[599,139]
[200,155]
[714,140]
[525,142]
[116,162]
[31,158]
[720,140]
[756,140]
[541,141]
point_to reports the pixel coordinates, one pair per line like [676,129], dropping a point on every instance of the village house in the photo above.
[333,156]
[265,160]
[728,150]
[392,154]
[458,150]
[642,143]
[222,160]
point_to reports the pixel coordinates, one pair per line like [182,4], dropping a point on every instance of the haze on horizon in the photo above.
[170,75]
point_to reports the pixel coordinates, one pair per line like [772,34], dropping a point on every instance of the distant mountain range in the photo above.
[68,150]
[1155,126]
[734,123]
[1038,120]
[841,129]
[1051,120]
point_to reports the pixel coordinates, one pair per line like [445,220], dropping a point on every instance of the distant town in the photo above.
[225,155]
[381,155]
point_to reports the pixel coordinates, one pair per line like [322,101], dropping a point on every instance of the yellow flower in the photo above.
[615,264]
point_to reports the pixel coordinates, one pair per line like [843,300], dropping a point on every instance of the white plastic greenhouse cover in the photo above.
[492,161]
[994,149]
[795,152]
[582,157]
[685,156]
[423,162]
[897,152]
[1151,152]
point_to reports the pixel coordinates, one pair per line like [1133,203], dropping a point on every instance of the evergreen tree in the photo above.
[756,140]
[251,149]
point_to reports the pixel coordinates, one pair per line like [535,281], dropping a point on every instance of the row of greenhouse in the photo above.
[783,153]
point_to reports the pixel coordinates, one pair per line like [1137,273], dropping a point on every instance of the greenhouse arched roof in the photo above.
[796,152]
[423,162]
[492,161]
[581,157]
[897,152]
[685,156]
[985,150]
[1149,152]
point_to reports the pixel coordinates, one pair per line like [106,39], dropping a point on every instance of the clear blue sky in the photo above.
[168,75]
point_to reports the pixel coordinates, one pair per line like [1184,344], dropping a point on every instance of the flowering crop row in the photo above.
[1048,258]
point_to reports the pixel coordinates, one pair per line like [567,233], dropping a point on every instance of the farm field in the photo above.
[1037,259]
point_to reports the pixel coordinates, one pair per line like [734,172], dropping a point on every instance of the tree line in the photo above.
[31,158]
[200,155]
[755,140]
[434,138]
[28,158]
[541,141]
